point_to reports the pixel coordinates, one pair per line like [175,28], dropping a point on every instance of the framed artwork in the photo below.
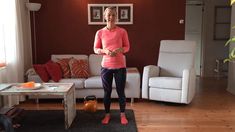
[95,14]
[124,13]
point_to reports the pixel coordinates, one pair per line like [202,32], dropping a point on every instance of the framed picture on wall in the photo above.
[95,14]
[124,13]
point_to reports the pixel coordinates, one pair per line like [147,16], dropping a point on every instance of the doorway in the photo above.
[193,30]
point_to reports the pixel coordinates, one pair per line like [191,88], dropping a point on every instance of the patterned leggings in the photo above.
[120,79]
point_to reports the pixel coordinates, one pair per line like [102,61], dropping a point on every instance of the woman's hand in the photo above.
[113,53]
[106,51]
[116,51]
[119,50]
[109,52]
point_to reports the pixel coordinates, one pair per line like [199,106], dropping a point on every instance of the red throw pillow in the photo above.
[64,65]
[54,70]
[79,68]
[42,72]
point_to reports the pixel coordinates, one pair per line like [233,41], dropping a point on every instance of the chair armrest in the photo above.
[148,72]
[30,71]
[33,76]
[188,85]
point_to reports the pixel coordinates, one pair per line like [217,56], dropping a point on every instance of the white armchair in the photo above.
[173,80]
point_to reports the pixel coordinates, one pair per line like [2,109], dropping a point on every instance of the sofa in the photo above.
[93,84]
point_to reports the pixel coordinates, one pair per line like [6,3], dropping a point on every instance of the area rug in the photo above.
[53,121]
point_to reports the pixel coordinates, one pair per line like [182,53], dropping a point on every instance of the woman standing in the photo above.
[112,42]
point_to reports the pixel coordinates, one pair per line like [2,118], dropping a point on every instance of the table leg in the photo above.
[69,107]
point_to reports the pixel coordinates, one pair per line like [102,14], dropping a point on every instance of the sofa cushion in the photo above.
[42,72]
[79,68]
[95,82]
[64,65]
[95,64]
[166,82]
[54,70]
[78,82]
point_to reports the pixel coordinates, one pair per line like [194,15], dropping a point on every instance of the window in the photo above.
[2,48]
[7,30]
[2,44]
[222,23]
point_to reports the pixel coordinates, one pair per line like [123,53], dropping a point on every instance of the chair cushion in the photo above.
[175,56]
[166,82]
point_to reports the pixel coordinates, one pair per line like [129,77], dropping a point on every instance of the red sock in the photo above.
[124,121]
[106,119]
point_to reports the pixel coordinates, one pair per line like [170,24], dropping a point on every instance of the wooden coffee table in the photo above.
[67,90]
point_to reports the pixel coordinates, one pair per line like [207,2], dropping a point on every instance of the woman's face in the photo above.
[110,15]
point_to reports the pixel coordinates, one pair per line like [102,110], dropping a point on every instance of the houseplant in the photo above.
[231,56]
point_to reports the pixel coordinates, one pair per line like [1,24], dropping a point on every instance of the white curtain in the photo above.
[13,41]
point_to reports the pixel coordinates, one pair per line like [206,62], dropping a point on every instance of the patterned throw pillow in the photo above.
[79,68]
[64,65]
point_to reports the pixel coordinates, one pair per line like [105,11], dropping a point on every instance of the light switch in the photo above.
[181,21]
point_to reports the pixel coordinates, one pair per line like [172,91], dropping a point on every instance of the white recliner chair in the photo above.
[174,79]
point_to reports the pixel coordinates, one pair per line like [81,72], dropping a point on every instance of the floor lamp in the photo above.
[34,7]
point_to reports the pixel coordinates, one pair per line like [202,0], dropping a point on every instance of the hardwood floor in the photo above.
[212,110]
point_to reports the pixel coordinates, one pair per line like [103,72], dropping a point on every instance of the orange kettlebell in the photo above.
[90,103]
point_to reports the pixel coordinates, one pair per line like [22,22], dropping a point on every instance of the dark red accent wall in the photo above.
[62,28]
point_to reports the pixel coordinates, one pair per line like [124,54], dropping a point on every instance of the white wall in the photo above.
[231,70]
[212,49]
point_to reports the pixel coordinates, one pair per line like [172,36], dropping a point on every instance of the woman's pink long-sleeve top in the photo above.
[111,40]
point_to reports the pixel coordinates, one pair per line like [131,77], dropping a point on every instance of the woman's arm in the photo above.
[126,43]
[98,45]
